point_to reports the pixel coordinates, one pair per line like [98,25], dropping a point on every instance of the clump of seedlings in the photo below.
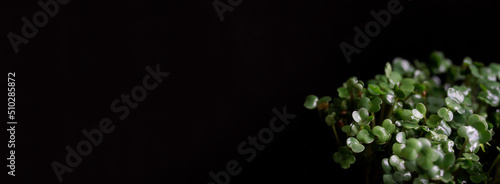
[431,122]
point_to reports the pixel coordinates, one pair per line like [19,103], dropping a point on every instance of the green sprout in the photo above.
[427,122]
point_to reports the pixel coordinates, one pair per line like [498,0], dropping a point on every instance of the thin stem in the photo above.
[494,164]
[336,136]
[463,148]
[424,94]
[382,113]
[392,109]
[373,120]
[408,97]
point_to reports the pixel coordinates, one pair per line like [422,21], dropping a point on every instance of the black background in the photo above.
[225,79]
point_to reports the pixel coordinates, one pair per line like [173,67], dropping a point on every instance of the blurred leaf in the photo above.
[311,102]
[343,92]
[388,69]
[446,114]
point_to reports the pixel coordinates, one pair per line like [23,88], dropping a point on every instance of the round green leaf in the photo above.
[433,121]
[410,124]
[411,165]
[448,161]
[425,163]
[324,99]
[484,136]
[471,156]
[388,69]
[419,88]
[425,142]
[407,84]
[385,165]
[397,148]
[343,92]
[433,172]
[389,126]
[364,103]
[471,134]
[311,102]
[477,122]
[388,179]
[375,104]
[465,163]
[430,154]
[478,178]
[455,95]
[409,153]
[446,114]
[356,116]
[448,146]
[381,134]
[400,93]
[401,137]
[407,114]
[375,90]
[417,114]
[354,144]
[360,115]
[421,180]
[454,105]
[330,119]
[394,78]
[365,136]
[421,108]
[414,144]
[351,82]
[443,128]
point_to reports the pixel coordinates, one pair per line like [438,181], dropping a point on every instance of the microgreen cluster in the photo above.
[433,120]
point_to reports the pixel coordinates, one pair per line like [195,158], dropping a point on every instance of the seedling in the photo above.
[434,121]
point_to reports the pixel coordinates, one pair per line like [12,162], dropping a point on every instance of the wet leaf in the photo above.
[455,95]
[472,135]
[446,114]
[401,137]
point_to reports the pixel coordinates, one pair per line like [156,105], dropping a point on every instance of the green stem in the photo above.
[408,97]
[463,148]
[425,99]
[336,136]
[392,109]
[373,121]
[494,164]
[382,113]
